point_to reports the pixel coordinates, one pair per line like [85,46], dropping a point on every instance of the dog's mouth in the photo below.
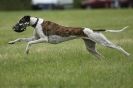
[19,27]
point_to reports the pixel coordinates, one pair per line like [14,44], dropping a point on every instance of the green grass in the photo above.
[67,65]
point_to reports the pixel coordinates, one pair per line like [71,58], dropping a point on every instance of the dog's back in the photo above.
[51,28]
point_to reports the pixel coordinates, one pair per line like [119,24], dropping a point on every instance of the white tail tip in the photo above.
[117,30]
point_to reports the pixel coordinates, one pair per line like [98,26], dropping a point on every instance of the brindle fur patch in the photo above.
[51,28]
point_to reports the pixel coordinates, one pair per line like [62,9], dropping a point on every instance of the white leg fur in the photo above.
[117,48]
[41,40]
[101,39]
[22,40]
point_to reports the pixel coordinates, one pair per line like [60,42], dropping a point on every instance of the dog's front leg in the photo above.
[34,37]
[41,40]
[21,40]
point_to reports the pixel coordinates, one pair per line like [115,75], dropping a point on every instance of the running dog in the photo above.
[50,32]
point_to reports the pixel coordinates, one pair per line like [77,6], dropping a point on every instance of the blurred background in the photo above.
[8,5]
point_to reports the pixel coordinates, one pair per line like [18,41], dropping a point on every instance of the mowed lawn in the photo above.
[67,65]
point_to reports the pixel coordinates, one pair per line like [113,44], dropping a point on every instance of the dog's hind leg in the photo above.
[111,45]
[91,47]
[101,39]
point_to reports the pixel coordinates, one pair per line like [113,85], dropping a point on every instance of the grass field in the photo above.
[67,65]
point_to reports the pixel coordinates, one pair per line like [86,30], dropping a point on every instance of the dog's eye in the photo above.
[21,21]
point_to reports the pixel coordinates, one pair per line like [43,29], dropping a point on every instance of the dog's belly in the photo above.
[54,39]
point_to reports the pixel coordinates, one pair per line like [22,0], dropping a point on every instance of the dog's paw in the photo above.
[27,51]
[11,42]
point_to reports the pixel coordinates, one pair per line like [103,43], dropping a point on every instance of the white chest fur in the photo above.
[38,28]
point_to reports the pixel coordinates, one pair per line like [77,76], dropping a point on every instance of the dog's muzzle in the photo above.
[19,27]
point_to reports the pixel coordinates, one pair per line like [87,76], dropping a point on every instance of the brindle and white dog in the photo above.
[50,32]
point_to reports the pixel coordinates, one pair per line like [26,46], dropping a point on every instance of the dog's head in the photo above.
[22,24]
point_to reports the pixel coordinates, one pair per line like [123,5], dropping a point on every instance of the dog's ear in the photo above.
[27,18]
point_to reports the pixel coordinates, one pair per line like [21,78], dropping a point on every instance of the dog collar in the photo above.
[34,25]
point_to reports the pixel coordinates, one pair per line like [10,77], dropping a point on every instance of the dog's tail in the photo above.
[104,30]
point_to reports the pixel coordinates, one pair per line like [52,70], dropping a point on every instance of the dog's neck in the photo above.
[34,21]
